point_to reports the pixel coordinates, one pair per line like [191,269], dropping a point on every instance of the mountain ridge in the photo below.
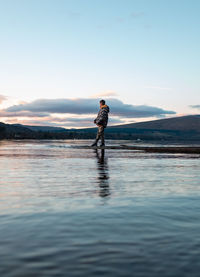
[182,123]
[176,128]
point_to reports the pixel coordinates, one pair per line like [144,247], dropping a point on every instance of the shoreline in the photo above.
[149,149]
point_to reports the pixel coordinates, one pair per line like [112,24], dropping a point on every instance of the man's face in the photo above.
[101,105]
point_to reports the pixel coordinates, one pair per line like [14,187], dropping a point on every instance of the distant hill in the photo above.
[19,131]
[42,128]
[14,131]
[186,128]
[183,128]
[183,123]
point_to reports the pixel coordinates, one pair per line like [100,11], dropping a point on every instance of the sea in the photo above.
[70,211]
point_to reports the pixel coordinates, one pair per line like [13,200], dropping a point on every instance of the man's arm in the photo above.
[96,121]
[101,116]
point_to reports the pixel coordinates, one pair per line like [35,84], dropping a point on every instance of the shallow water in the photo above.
[77,212]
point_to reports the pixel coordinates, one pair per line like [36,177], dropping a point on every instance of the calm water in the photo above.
[66,211]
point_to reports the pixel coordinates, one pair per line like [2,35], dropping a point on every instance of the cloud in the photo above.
[2,98]
[137,14]
[158,88]
[107,93]
[4,113]
[120,19]
[74,14]
[195,106]
[83,106]
[88,120]
[147,26]
[64,122]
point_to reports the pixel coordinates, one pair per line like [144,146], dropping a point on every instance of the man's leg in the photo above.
[97,137]
[101,135]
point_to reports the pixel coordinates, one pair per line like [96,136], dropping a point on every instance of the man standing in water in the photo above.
[101,121]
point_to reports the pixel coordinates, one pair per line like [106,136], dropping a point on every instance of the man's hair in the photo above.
[103,102]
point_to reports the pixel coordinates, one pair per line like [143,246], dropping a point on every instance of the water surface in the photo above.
[67,211]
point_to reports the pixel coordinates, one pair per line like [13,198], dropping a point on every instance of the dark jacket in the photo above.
[102,117]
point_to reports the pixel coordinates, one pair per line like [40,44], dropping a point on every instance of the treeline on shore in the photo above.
[9,131]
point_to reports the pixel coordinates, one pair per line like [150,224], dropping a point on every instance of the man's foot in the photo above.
[94,144]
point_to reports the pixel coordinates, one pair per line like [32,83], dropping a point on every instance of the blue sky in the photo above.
[143,53]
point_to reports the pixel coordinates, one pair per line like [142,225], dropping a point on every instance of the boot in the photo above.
[102,142]
[94,143]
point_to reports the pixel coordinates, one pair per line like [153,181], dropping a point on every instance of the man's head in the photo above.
[102,103]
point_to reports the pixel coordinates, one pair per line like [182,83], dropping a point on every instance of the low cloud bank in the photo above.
[195,106]
[83,106]
[64,122]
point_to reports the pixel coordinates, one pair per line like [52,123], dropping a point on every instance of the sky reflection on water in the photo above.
[89,212]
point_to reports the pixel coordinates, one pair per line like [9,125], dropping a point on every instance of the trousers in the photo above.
[100,134]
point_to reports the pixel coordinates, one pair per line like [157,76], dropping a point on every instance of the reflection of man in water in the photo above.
[103,174]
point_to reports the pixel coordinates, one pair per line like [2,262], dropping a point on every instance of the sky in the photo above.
[58,58]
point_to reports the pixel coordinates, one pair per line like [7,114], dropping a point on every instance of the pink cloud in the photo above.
[2,98]
[4,113]
[107,93]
